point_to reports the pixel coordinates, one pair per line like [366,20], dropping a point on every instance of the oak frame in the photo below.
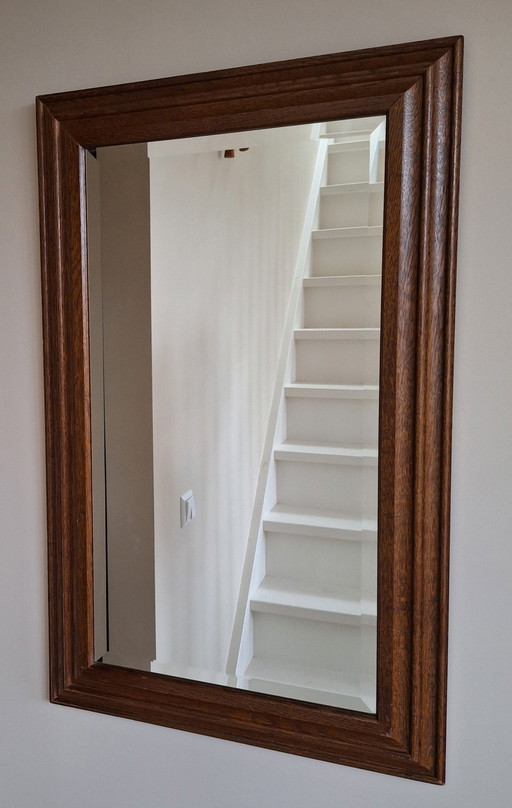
[418,87]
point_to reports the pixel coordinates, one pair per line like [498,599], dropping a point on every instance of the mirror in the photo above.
[240,312]
[416,88]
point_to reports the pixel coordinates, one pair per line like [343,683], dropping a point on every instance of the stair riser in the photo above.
[337,361]
[355,255]
[313,559]
[355,209]
[352,165]
[308,642]
[352,490]
[345,421]
[342,307]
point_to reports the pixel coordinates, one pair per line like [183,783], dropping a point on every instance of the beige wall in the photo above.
[56,757]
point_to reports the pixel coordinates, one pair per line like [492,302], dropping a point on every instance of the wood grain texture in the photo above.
[418,87]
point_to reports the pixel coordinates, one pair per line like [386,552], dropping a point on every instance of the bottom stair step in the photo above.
[320,686]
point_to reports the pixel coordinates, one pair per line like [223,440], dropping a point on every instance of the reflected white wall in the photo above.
[224,241]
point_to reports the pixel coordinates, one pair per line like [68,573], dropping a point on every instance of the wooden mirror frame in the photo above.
[418,87]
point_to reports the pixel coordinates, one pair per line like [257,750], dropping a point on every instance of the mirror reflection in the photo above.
[234,286]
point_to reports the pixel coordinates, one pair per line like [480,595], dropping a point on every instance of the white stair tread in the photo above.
[356,136]
[348,232]
[305,390]
[302,599]
[343,280]
[352,188]
[319,685]
[337,333]
[326,453]
[327,524]
[349,145]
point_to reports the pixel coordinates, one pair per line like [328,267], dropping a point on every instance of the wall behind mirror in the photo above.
[235,310]
[417,87]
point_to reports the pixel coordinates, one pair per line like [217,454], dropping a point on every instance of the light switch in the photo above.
[187,508]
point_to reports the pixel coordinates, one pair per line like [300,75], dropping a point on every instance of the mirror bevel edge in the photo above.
[418,86]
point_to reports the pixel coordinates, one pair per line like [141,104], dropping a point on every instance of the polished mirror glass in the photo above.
[235,300]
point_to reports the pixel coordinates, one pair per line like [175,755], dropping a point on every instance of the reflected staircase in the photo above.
[310,624]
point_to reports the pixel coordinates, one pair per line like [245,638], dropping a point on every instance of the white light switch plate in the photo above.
[187,508]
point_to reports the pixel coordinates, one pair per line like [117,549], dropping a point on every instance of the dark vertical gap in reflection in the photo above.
[107,609]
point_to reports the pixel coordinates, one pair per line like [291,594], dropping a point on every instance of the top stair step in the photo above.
[350,144]
[352,188]
[337,333]
[310,390]
[342,280]
[352,129]
[348,232]
[356,136]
